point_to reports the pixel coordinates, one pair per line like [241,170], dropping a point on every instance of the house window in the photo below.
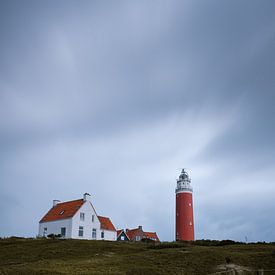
[137,238]
[45,231]
[93,218]
[102,234]
[122,238]
[80,231]
[82,216]
[94,233]
[63,231]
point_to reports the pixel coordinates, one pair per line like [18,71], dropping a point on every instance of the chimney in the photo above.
[55,202]
[140,227]
[86,197]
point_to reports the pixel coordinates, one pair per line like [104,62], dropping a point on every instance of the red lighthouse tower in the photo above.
[184,208]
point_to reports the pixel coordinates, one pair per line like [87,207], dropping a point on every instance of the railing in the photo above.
[190,189]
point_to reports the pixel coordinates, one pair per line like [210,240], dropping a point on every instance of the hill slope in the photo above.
[41,256]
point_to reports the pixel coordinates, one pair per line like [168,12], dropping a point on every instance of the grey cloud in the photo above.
[119,96]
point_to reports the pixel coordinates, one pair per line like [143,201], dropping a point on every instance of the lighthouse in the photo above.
[184,208]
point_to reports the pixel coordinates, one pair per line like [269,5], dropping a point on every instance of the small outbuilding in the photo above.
[122,236]
[137,234]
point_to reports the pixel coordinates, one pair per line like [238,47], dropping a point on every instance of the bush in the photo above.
[168,245]
[215,242]
[146,240]
[54,236]
[227,242]
[227,260]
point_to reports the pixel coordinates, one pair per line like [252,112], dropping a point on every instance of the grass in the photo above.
[44,256]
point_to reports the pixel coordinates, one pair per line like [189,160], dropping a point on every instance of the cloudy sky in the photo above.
[114,98]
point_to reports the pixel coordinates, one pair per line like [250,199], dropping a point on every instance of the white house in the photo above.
[77,219]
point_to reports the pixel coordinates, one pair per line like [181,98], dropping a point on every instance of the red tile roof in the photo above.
[63,210]
[132,233]
[151,235]
[105,223]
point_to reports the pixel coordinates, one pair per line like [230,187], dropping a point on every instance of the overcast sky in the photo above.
[114,98]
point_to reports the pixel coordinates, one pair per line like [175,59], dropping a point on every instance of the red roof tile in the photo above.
[152,236]
[105,223]
[63,210]
[132,233]
[118,232]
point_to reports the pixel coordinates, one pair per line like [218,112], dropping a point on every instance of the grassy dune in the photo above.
[41,256]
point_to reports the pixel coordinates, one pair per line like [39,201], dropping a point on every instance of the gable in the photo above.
[63,210]
[133,233]
[120,233]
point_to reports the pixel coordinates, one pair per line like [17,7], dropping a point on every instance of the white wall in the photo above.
[72,225]
[54,227]
[109,235]
[87,224]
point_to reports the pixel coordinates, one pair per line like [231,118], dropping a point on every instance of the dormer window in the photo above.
[61,212]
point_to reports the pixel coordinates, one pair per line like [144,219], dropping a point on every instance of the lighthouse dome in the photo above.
[183,183]
[183,175]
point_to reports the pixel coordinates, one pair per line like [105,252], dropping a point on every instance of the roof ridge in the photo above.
[69,201]
[133,229]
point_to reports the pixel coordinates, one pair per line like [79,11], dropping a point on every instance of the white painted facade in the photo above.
[83,225]
[89,223]
[109,235]
[54,227]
